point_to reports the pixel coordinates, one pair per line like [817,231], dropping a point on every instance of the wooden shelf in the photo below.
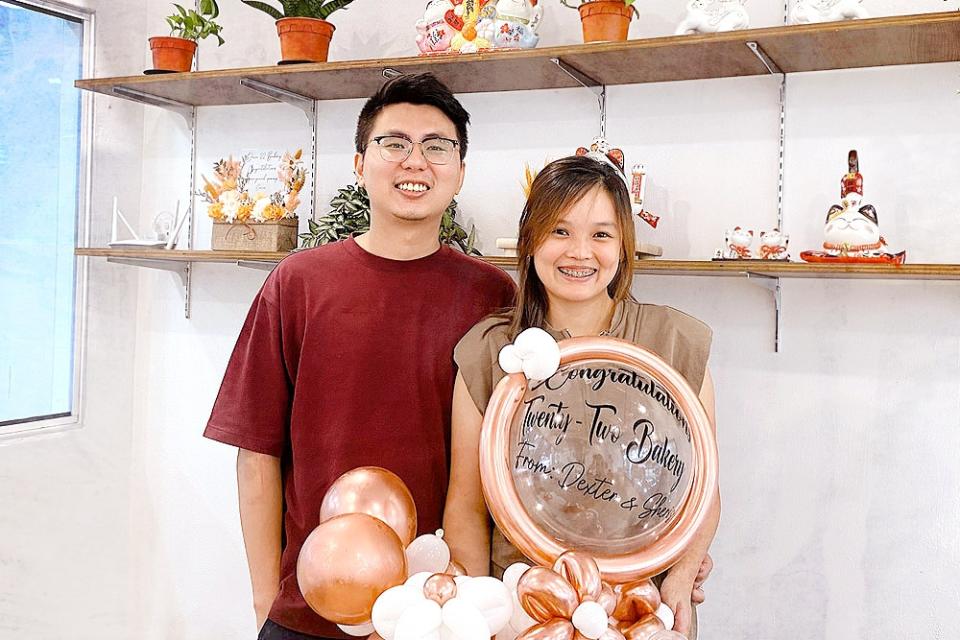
[651,267]
[911,39]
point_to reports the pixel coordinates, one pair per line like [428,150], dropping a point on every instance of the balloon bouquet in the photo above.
[597,462]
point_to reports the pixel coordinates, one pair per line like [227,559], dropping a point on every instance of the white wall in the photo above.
[839,473]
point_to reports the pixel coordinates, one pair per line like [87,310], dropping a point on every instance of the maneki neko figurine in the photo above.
[601,151]
[852,229]
[810,11]
[515,24]
[451,26]
[711,16]
[471,15]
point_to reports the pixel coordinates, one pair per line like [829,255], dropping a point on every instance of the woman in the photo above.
[575,262]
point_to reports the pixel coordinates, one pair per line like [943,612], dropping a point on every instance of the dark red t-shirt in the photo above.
[346,360]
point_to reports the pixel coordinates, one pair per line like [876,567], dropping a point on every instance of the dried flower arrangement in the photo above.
[229,201]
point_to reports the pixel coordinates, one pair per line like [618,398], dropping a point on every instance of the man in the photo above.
[345,358]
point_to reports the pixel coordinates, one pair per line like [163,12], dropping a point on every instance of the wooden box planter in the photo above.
[276,235]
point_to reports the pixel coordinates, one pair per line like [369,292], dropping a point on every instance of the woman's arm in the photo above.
[677,588]
[466,524]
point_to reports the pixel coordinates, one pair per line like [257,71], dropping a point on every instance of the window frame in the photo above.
[14,429]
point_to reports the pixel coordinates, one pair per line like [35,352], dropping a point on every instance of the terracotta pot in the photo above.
[605,20]
[304,39]
[172,54]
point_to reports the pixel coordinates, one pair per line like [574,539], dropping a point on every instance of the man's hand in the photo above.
[676,592]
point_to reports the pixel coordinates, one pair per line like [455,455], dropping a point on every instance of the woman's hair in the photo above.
[557,188]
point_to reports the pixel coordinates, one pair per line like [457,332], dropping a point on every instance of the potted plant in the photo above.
[175,52]
[604,20]
[350,215]
[302,26]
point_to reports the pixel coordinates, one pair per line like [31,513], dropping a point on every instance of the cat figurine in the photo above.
[773,245]
[711,16]
[811,11]
[737,244]
[852,229]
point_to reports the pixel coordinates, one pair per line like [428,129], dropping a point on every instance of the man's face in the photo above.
[412,189]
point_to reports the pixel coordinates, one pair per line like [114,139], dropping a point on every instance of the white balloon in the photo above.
[458,580]
[364,629]
[421,621]
[417,580]
[427,553]
[665,613]
[462,621]
[590,619]
[390,606]
[513,574]
[520,621]
[509,361]
[539,351]
[490,597]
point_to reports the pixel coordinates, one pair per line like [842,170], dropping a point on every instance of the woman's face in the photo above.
[581,254]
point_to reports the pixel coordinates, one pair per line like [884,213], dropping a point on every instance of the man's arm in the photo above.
[260,488]
[466,524]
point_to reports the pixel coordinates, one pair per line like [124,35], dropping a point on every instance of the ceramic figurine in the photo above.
[516,23]
[809,11]
[601,151]
[437,28]
[711,16]
[471,14]
[773,245]
[852,229]
[737,244]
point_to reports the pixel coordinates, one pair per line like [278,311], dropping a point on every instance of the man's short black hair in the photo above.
[419,88]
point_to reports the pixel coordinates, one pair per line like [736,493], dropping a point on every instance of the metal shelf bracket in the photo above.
[305,104]
[764,58]
[182,109]
[257,264]
[771,284]
[597,88]
[182,269]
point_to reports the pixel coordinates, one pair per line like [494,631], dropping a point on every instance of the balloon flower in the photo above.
[440,606]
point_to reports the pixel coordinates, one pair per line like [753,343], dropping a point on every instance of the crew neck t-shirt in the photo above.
[345,360]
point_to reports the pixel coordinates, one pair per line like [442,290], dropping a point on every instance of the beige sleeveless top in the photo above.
[681,340]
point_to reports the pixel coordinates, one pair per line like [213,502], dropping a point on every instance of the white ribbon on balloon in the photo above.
[534,353]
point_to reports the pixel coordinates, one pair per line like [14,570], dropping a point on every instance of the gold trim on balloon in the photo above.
[504,501]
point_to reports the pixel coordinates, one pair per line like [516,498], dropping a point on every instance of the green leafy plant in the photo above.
[193,25]
[319,9]
[350,215]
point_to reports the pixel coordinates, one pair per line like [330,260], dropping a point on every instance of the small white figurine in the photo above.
[737,243]
[810,11]
[773,245]
[516,24]
[711,16]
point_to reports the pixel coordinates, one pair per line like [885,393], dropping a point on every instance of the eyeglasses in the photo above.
[397,148]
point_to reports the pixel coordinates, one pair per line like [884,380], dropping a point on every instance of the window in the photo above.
[42,52]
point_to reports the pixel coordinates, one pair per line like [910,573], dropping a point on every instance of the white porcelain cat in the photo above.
[737,244]
[711,16]
[810,11]
[773,245]
[853,230]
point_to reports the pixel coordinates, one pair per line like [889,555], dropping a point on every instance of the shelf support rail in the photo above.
[774,69]
[597,88]
[182,269]
[184,110]
[771,284]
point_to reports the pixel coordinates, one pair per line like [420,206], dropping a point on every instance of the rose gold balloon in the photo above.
[544,595]
[643,629]
[455,569]
[376,492]
[636,600]
[440,587]
[532,539]
[611,634]
[556,629]
[346,563]
[580,570]
[607,599]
